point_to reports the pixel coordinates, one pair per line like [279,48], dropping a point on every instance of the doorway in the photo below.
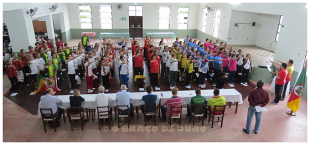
[135,21]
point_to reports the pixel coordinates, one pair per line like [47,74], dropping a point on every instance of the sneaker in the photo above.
[241,83]
[71,91]
[106,90]
[199,85]
[188,87]
[88,91]
[171,87]
[94,88]
[244,130]
[203,86]
[274,103]
[174,86]
[180,78]
[232,85]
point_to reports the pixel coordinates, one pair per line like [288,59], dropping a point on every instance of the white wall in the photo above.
[150,15]
[224,21]
[56,20]
[267,28]
[292,43]
[244,34]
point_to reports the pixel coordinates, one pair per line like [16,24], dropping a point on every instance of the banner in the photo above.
[45,83]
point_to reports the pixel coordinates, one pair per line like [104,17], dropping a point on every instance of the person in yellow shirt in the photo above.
[216,100]
[50,68]
[189,70]
[85,40]
[290,68]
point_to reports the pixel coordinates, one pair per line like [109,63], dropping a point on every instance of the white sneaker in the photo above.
[241,83]
[213,84]
[94,88]
[245,84]
[107,90]
[206,79]
[203,86]
[232,85]
[71,91]
[180,78]
[89,91]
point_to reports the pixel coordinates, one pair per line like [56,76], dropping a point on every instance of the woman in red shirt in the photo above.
[154,72]
[25,69]
[138,63]
[12,73]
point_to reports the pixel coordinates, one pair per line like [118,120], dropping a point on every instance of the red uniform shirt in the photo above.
[158,58]
[282,74]
[24,59]
[11,72]
[150,56]
[59,44]
[154,66]
[18,64]
[37,49]
[145,42]
[50,45]
[139,61]
[33,54]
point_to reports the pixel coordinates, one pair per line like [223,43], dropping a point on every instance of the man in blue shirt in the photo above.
[195,45]
[187,39]
[121,43]
[49,101]
[217,67]
[149,99]
[123,98]
[190,43]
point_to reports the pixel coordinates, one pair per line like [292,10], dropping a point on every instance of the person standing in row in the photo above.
[173,70]
[34,70]
[105,73]
[124,70]
[280,81]
[89,75]
[12,75]
[71,72]
[154,72]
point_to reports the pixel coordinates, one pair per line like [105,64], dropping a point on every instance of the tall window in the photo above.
[106,16]
[164,17]
[279,28]
[85,16]
[204,19]
[183,17]
[216,22]
[135,10]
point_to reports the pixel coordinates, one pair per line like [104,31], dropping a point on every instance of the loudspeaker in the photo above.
[253,24]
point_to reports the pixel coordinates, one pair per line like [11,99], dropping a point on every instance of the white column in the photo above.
[20,29]
[50,28]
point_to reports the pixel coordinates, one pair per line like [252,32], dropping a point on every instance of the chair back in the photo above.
[102,107]
[153,109]
[176,110]
[218,110]
[44,115]
[71,111]
[126,110]
[202,108]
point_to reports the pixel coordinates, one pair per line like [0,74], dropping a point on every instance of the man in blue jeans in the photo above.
[257,97]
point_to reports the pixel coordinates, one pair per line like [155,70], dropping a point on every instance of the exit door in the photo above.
[135,21]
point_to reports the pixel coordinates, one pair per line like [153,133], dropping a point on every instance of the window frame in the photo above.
[91,15]
[183,18]
[159,18]
[135,10]
[101,18]
[279,28]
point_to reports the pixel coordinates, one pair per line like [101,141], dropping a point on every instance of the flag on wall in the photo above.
[293,102]
[45,83]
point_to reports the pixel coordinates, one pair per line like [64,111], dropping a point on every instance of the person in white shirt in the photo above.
[49,101]
[161,49]
[71,72]
[92,58]
[123,98]
[246,70]
[41,63]
[89,75]
[34,70]
[124,70]
[102,100]
[165,58]
[105,73]
[168,63]
[173,70]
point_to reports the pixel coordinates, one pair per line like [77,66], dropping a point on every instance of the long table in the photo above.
[231,96]
[166,35]
[114,35]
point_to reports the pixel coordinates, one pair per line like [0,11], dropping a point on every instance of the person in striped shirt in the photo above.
[174,101]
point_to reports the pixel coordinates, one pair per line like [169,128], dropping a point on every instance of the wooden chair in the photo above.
[75,116]
[146,113]
[123,116]
[46,117]
[194,114]
[177,117]
[106,116]
[218,112]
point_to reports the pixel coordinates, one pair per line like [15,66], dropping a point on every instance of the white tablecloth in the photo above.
[231,95]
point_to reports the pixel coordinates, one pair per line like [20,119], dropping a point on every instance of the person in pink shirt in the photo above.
[226,62]
[207,43]
[211,46]
[232,69]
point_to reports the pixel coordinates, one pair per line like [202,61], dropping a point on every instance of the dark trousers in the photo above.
[196,71]
[231,76]
[188,78]
[25,70]
[138,71]
[164,111]
[202,77]
[14,83]
[216,75]
[105,81]
[245,75]
[154,79]
[72,80]
[58,115]
[125,112]
[278,93]
[173,78]
[189,110]
[42,72]
[81,70]
[284,90]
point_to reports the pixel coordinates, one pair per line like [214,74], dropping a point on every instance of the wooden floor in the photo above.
[30,102]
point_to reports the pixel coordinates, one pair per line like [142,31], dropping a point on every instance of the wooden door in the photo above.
[139,26]
[132,26]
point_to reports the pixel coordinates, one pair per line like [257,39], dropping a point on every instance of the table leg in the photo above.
[92,114]
[64,111]
[87,114]
[236,107]
[159,106]
[137,111]
[229,104]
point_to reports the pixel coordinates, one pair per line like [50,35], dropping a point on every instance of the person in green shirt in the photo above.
[216,100]
[43,55]
[66,49]
[50,69]
[197,100]
[84,40]
[62,57]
